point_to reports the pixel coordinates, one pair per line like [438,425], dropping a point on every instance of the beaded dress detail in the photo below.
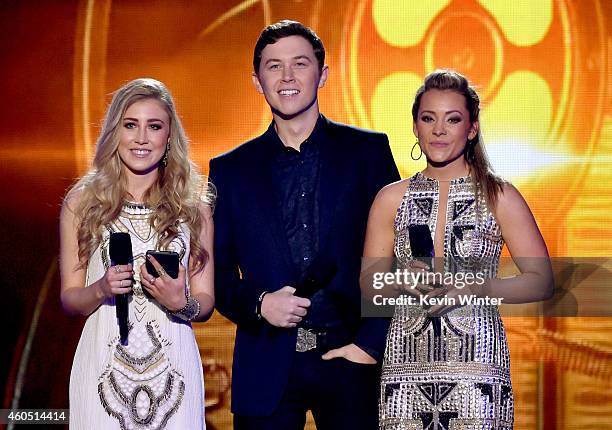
[155,381]
[450,372]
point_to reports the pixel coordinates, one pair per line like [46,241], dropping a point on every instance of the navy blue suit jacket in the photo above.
[252,254]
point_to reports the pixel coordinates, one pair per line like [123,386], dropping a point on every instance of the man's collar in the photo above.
[317,134]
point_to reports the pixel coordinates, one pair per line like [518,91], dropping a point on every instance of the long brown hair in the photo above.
[475,153]
[176,196]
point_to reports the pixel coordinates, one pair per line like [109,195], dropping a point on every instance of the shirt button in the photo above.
[305,225]
[306,258]
[303,194]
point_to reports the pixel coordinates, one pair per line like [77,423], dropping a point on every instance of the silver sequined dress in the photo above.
[156,380]
[451,372]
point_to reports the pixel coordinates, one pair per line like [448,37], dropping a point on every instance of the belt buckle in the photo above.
[306,340]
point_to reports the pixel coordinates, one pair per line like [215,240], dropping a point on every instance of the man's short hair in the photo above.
[285,28]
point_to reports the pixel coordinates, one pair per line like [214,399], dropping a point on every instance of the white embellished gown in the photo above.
[156,380]
[450,372]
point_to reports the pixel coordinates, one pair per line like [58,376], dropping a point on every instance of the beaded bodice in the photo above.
[135,219]
[472,237]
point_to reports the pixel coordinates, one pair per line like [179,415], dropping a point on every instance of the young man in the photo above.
[292,211]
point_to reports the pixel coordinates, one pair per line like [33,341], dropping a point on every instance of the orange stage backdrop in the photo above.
[544,76]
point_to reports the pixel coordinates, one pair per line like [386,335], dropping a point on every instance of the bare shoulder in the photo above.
[70,204]
[206,224]
[391,195]
[511,208]
[206,211]
[510,200]
[388,199]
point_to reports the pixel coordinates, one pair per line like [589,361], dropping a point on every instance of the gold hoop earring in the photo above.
[164,160]
[412,151]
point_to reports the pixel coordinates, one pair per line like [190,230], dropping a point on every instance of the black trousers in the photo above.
[341,395]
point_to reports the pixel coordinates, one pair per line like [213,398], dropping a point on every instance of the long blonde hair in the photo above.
[176,196]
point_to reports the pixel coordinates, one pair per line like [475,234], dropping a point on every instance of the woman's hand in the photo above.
[116,280]
[168,292]
[416,275]
[447,298]
[350,352]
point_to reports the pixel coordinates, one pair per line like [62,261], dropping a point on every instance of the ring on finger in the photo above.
[117,269]
[152,280]
[161,271]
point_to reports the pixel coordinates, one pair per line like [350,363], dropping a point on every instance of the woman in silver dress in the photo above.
[448,367]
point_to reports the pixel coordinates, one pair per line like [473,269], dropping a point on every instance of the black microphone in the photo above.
[120,250]
[422,249]
[318,275]
[421,245]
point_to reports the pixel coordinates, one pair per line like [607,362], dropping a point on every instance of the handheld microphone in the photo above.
[421,245]
[120,250]
[318,275]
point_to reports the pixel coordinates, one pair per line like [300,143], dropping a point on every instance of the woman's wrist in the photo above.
[178,305]
[99,292]
[190,311]
[480,289]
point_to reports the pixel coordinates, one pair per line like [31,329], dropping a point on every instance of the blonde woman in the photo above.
[142,182]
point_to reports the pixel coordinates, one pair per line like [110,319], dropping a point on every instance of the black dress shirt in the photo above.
[296,176]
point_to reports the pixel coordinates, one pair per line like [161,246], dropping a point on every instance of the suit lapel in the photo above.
[332,180]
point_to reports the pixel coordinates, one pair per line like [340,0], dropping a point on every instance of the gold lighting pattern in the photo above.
[528,61]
